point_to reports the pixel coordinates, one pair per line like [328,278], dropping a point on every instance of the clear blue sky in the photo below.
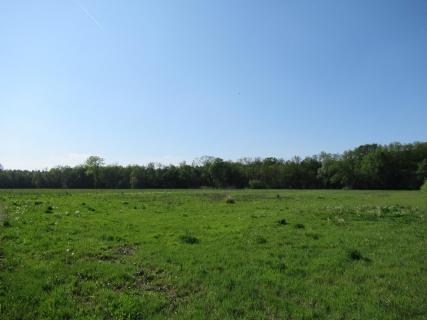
[139,81]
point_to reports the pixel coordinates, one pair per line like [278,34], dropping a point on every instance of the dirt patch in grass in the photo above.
[114,254]
[127,250]
[155,285]
[150,284]
[106,257]
[155,281]
[400,213]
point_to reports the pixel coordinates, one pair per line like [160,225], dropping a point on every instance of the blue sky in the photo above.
[166,81]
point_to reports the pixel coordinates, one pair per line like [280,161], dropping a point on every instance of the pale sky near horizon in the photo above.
[167,81]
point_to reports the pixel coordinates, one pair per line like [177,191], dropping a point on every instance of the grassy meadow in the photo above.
[213,254]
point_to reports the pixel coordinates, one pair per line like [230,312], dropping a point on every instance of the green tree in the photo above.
[328,173]
[92,166]
[38,179]
[136,177]
[422,170]
[218,170]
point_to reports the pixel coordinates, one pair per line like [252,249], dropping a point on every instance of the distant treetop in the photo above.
[371,166]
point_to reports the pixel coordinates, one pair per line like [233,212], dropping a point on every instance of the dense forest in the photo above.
[371,166]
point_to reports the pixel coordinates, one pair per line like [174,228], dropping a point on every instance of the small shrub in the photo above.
[188,238]
[230,199]
[281,266]
[260,240]
[299,226]
[282,222]
[355,255]
[424,186]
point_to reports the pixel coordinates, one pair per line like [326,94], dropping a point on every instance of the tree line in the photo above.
[371,166]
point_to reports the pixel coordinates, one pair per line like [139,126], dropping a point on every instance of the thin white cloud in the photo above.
[89,15]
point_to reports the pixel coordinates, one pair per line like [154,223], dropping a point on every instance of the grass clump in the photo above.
[260,240]
[49,209]
[424,186]
[282,222]
[230,200]
[189,239]
[314,236]
[299,226]
[355,255]
[281,266]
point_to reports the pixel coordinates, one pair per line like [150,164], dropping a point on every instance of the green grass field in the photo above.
[170,254]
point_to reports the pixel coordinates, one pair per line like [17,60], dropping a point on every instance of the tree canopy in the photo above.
[371,166]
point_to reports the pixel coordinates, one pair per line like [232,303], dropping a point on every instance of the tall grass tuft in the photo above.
[230,199]
[189,238]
